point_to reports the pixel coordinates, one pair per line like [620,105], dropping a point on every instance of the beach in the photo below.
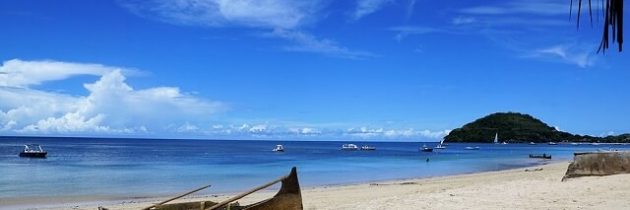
[538,187]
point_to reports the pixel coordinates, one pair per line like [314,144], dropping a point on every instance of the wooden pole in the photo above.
[177,197]
[239,196]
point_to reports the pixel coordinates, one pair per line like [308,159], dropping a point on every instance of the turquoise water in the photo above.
[147,167]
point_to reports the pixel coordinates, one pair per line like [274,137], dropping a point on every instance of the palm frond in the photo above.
[613,22]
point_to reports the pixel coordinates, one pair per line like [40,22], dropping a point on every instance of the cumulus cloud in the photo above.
[366,7]
[215,13]
[111,105]
[367,133]
[18,73]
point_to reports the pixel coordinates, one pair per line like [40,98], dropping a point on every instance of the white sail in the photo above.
[442,142]
[496,138]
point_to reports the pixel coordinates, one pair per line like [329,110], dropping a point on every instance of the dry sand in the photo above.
[529,188]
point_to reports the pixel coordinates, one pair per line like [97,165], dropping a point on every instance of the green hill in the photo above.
[517,127]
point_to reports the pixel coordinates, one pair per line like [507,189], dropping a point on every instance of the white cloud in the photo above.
[366,7]
[215,13]
[18,73]
[567,54]
[381,133]
[463,20]
[307,43]
[532,7]
[111,105]
[404,31]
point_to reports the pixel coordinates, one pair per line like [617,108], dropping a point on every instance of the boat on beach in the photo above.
[349,147]
[33,151]
[367,147]
[288,197]
[541,156]
[279,148]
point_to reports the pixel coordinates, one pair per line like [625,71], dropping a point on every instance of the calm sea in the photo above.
[151,167]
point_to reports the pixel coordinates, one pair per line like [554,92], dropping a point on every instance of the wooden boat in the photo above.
[33,151]
[289,197]
[543,156]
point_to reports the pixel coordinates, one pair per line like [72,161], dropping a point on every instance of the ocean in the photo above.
[132,168]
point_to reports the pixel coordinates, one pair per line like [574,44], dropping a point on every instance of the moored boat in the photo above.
[541,156]
[366,147]
[424,148]
[441,145]
[288,197]
[472,148]
[279,148]
[552,143]
[349,147]
[532,143]
[33,151]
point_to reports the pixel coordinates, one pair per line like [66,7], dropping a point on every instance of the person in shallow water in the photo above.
[427,160]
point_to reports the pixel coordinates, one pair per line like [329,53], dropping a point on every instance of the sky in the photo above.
[385,70]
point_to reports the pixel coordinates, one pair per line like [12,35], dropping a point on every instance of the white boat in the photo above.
[532,143]
[349,147]
[496,138]
[279,148]
[504,143]
[594,143]
[574,143]
[472,148]
[33,151]
[366,147]
[424,148]
[552,143]
[440,145]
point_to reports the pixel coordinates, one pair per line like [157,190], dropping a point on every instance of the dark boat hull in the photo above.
[33,154]
[543,156]
[426,149]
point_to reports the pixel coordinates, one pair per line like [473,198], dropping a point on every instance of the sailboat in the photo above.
[441,145]
[496,138]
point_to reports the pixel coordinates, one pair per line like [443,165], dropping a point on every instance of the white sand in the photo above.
[511,189]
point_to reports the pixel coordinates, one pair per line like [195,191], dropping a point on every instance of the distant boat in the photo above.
[552,143]
[504,143]
[33,151]
[574,143]
[472,148]
[594,143]
[440,145]
[279,148]
[424,148]
[496,138]
[366,147]
[349,147]
[532,143]
[543,156]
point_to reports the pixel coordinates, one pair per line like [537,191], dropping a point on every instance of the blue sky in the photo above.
[314,70]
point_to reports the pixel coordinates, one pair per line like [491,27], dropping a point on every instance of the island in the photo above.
[513,127]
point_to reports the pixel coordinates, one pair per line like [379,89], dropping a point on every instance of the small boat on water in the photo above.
[541,156]
[349,147]
[33,151]
[532,143]
[440,145]
[575,144]
[472,148]
[496,138]
[594,143]
[288,197]
[366,147]
[552,143]
[279,148]
[424,148]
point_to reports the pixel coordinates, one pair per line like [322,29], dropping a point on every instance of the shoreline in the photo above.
[122,202]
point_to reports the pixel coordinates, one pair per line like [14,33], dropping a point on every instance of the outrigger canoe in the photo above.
[289,197]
